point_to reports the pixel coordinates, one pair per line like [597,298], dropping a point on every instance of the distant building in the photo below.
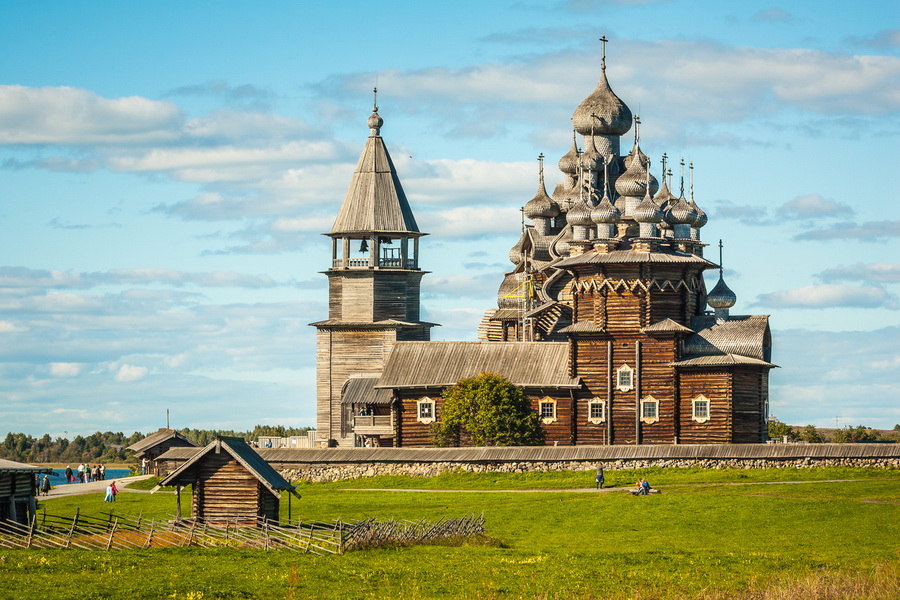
[156,444]
[231,484]
[602,320]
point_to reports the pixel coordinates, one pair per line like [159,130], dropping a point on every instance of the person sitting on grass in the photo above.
[643,488]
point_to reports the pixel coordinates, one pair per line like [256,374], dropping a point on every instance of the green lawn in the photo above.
[697,539]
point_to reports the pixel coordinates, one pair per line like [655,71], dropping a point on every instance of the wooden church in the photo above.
[604,319]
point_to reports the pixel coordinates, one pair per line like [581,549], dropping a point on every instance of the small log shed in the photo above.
[17,488]
[231,484]
[157,443]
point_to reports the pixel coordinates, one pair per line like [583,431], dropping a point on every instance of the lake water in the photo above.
[58,476]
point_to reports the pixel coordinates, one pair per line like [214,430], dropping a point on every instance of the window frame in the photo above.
[433,408]
[646,402]
[547,419]
[694,402]
[591,404]
[629,385]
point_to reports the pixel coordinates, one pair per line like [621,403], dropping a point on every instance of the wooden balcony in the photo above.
[373,425]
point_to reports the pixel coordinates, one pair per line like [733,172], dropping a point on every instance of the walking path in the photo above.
[94,487]
[592,490]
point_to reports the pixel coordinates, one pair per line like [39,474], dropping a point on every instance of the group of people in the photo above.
[111,492]
[643,486]
[85,473]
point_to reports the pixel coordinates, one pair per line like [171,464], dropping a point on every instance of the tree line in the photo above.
[846,435]
[110,447]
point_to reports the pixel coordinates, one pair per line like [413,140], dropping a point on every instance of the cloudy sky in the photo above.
[167,169]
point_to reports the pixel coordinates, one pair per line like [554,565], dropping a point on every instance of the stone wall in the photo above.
[318,472]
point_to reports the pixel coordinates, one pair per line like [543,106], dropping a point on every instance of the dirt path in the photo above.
[93,487]
[593,490]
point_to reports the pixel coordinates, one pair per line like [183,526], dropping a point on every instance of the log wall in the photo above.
[226,491]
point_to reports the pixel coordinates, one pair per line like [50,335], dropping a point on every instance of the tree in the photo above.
[487,410]
[811,435]
[777,431]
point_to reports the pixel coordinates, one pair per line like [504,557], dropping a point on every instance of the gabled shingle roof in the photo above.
[745,335]
[633,256]
[242,453]
[11,466]
[585,326]
[667,326]
[361,390]
[155,438]
[442,364]
[720,360]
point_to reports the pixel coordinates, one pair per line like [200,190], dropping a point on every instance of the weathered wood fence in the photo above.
[122,532]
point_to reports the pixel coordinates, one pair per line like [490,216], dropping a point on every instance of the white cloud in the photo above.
[870,231]
[880,272]
[65,369]
[128,373]
[65,115]
[830,296]
[814,206]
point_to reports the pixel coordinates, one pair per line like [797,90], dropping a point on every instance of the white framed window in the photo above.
[700,409]
[649,410]
[425,410]
[625,378]
[596,411]
[547,410]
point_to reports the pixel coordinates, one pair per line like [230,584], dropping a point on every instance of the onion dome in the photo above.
[721,296]
[647,211]
[602,110]
[580,215]
[542,205]
[591,159]
[633,182]
[605,212]
[375,121]
[568,164]
[701,219]
[560,245]
[681,213]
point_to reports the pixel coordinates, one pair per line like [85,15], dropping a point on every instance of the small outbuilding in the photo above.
[156,444]
[17,489]
[231,484]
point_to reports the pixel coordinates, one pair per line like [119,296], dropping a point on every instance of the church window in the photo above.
[649,410]
[548,410]
[596,411]
[425,411]
[700,409]
[624,378]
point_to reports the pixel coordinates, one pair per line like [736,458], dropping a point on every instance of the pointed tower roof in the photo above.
[375,201]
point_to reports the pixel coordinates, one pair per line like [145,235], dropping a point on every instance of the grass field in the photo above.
[773,534]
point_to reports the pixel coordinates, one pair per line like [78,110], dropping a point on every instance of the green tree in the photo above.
[487,410]
[777,431]
[852,435]
[811,435]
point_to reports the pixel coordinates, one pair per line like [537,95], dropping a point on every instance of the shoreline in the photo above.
[58,465]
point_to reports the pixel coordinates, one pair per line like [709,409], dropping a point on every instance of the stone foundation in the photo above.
[335,472]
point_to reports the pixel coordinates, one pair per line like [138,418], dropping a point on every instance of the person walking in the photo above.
[109,494]
[599,479]
[114,489]
[68,472]
[45,485]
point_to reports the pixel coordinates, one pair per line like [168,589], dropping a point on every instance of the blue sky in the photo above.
[167,168]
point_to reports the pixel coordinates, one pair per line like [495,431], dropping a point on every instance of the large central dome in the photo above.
[613,117]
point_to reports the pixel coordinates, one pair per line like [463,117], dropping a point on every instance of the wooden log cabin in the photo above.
[17,492]
[156,444]
[608,278]
[231,484]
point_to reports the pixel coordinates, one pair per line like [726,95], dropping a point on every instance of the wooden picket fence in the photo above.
[123,532]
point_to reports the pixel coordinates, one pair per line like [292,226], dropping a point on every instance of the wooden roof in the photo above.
[11,466]
[667,326]
[497,454]
[153,439]
[361,390]
[746,335]
[442,364]
[633,256]
[241,452]
[586,326]
[375,201]
[722,360]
